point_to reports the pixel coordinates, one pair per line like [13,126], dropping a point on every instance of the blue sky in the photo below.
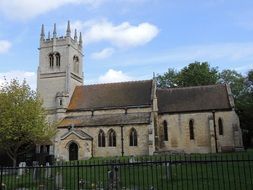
[129,39]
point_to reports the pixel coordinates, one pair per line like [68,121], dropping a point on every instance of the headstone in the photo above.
[48,170]
[21,170]
[132,159]
[58,180]
[36,171]
[41,187]
[82,184]
[114,178]
[4,186]
[167,171]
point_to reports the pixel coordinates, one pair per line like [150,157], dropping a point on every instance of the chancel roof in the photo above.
[112,95]
[105,120]
[193,99]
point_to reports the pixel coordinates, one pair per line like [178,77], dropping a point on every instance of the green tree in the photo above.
[168,79]
[195,74]
[250,81]
[234,79]
[22,119]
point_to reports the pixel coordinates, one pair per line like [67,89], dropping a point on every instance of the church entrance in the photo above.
[73,151]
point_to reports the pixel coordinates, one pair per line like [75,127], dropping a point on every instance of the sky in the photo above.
[129,39]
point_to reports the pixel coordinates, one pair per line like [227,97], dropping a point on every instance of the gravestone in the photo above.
[132,159]
[36,171]
[21,170]
[167,170]
[113,178]
[48,170]
[58,181]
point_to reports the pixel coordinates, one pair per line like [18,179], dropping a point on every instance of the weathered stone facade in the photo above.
[129,118]
[203,142]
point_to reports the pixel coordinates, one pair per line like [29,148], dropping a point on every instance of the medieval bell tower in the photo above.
[60,70]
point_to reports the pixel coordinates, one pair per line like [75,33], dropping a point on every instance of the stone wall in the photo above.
[179,133]
[85,146]
[142,147]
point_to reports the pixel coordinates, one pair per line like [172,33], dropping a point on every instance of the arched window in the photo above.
[133,137]
[165,131]
[112,138]
[101,139]
[76,64]
[220,123]
[51,60]
[73,151]
[191,128]
[58,59]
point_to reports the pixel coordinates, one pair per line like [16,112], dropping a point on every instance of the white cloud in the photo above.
[25,9]
[4,46]
[114,76]
[30,77]
[104,53]
[122,35]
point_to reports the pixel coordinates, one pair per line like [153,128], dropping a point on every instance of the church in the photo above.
[128,118]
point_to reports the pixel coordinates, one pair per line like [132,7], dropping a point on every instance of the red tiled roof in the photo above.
[112,95]
[192,99]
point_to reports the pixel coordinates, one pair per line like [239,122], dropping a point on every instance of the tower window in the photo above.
[51,60]
[58,59]
[101,139]
[112,138]
[191,129]
[165,130]
[60,102]
[220,123]
[76,64]
[133,137]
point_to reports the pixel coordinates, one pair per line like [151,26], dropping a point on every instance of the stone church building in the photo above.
[128,118]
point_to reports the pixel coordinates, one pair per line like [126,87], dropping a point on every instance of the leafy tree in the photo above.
[249,81]
[22,120]
[195,74]
[234,79]
[168,79]
[244,108]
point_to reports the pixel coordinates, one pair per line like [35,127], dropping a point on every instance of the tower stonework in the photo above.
[60,70]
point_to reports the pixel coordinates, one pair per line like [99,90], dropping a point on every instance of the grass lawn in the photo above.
[198,171]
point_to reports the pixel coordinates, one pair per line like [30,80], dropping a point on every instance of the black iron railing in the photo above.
[218,171]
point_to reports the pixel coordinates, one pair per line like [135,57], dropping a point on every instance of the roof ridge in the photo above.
[191,87]
[123,82]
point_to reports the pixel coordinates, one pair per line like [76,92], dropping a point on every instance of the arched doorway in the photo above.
[73,151]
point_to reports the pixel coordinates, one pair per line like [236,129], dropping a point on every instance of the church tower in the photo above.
[60,69]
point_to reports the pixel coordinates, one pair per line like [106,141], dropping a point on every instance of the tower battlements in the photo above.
[48,41]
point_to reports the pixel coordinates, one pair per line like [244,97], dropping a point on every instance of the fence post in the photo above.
[1,178]
[78,175]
